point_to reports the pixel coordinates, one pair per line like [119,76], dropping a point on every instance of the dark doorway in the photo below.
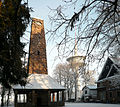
[39,102]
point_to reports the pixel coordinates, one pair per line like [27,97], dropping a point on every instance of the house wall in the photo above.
[93,94]
[101,91]
[89,94]
[108,93]
[113,96]
[86,91]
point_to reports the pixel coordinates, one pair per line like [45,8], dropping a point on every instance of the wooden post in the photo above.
[53,97]
[63,99]
[34,102]
[58,96]
[15,99]
[49,98]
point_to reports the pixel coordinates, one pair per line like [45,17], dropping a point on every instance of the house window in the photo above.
[22,98]
[110,94]
[85,91]
[118,94]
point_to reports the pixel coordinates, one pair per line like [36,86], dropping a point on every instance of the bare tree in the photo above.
[64,76]
[88,77]
[71,79]
[97,23]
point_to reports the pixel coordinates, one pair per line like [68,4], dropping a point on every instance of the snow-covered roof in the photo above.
[116,61]
[111,68]
[90,87]
[110,78]
[40,81]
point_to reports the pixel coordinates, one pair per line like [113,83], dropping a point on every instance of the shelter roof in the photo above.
[40,81]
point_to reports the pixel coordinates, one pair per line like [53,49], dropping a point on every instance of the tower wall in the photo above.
[37,51]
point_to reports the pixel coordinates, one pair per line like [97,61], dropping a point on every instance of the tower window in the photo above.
[38,52]
[85,91]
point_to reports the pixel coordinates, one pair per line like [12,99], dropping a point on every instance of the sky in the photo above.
[41,11]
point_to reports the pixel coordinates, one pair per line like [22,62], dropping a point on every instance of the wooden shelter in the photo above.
[41,91]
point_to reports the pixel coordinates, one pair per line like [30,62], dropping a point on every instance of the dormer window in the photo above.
[85,91]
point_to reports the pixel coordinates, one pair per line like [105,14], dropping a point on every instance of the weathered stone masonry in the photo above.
[37,55]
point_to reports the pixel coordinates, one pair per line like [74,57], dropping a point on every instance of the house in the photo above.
[108,84]
[89,93]
[40,91]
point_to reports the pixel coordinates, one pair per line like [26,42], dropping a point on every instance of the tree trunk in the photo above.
[75,90]
[2,95]
[8,97]
[68,94]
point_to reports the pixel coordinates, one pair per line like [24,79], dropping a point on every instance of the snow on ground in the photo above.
[9,106]
[87,105]
[90,105]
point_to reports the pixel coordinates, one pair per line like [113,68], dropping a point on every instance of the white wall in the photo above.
[92,93]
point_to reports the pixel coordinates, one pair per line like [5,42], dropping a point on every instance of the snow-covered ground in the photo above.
[90,105]
[9,106]
[87,105]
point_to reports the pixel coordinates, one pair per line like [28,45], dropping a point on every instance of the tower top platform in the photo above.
[76,61]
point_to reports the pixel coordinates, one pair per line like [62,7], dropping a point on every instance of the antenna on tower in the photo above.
[75,50]
[27,3]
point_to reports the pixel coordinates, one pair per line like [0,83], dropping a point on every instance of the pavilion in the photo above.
[40,91]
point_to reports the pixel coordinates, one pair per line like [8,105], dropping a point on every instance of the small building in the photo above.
[40,91]
[108,84]
[89,93]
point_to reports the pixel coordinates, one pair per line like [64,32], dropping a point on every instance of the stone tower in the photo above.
[37,62]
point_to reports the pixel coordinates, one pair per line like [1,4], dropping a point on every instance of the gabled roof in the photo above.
[111,67]
[40,81]
[105,69]
[92,87]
